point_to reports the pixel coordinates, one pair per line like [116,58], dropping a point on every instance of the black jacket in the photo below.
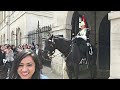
[2,56]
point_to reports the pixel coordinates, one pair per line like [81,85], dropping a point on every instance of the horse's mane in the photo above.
[62,39]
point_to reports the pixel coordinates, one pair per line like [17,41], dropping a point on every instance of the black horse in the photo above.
[72,54]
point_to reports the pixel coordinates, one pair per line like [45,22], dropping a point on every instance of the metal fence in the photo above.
[38,36]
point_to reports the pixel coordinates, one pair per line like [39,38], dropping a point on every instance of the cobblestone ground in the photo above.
[50,74]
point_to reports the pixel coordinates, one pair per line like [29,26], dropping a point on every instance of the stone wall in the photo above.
[58,64]
[114,18]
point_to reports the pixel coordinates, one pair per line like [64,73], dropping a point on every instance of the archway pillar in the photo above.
[61,26]
[114,17]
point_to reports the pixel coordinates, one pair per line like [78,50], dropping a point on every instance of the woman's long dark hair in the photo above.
[20,56]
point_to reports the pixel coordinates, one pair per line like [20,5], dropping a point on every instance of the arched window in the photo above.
[104,44]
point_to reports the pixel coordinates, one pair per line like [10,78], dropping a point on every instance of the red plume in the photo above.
[84,20]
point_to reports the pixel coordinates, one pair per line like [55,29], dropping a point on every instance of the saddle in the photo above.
[84,47]
[88,51]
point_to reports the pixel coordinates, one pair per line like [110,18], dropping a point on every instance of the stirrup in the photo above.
[88,44]
[91,51]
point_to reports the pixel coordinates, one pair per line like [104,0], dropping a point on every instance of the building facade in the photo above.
[104,34]
[114,18]
[16,25]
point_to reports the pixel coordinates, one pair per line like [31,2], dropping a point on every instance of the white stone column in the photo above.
[114,18]
[60,25]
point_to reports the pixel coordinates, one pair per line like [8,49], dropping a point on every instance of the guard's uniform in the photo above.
[82,34]
[82,38]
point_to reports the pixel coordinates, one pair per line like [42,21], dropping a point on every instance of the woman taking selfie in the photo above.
[26,66]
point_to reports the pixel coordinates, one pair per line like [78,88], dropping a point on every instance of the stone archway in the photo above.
[76,22]
[69,17]
[72,19]
[104,44]
[97,22]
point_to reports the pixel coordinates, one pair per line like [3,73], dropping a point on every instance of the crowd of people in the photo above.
[22,62]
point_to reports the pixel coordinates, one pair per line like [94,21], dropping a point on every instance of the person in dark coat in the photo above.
[2,55]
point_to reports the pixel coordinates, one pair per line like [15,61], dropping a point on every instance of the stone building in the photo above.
[104,34]
[16,25]
[114,17]
[67,24]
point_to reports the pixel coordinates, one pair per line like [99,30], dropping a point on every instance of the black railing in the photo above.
[36,35]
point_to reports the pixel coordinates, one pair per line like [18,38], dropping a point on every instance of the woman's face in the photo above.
[26,68]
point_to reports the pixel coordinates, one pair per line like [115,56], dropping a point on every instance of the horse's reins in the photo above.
[59,53]
[64,51]
[44,57]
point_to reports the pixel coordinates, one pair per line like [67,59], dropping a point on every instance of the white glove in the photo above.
[73,38]
[88,44]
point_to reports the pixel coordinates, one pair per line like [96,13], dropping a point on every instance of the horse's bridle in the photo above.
[50,54]
[53,43]
[44,57]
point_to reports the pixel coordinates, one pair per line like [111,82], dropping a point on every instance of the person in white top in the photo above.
[84,31]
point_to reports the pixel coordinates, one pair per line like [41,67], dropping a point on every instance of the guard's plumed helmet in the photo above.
[83,22]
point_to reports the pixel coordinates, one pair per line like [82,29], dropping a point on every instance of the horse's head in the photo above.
[49,49]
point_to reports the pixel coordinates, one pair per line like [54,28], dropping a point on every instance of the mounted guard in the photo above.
[82,38]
